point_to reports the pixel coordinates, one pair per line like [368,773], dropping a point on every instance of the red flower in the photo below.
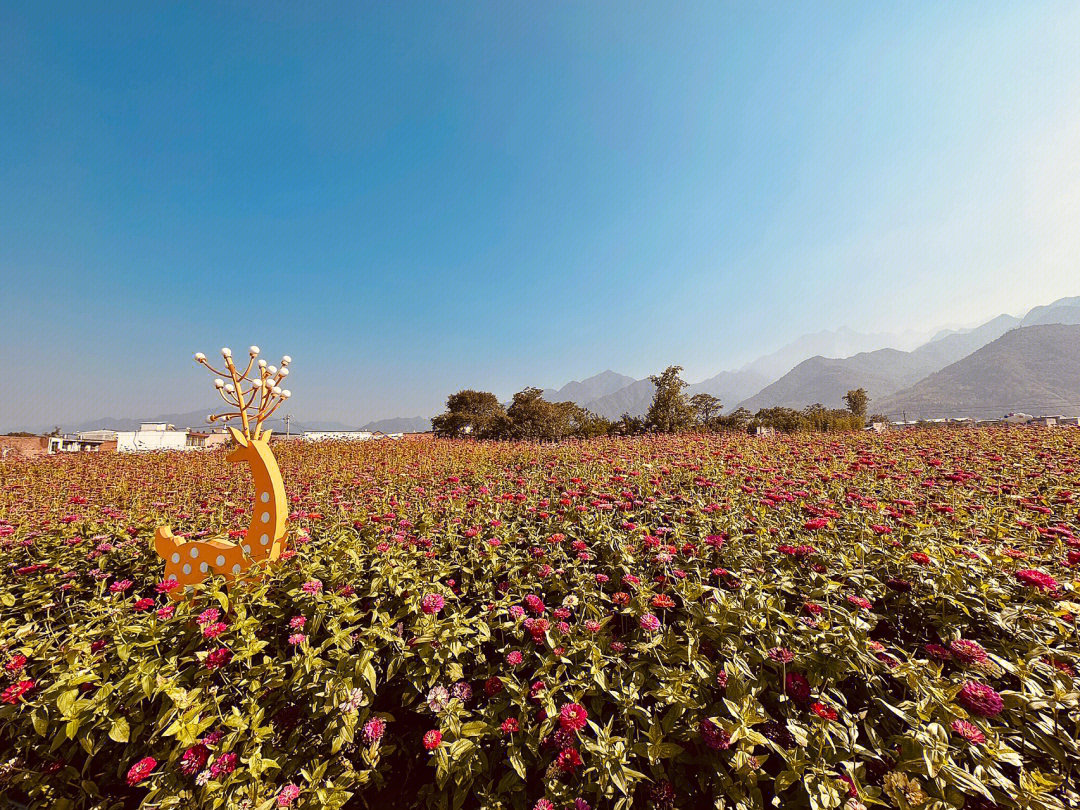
[572,716]
[920,557]
[569,760]
[781,655]
[1037,579]
[143,604]
[797,687]
[432,739]
[140,770]
[823,711]
[16,663]
[510,725]
[218,658]
[815,524]
[492,686]
[18,690]
[194,759]
[715,737]
[224,765]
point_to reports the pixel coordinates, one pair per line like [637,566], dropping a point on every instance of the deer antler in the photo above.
[264,384]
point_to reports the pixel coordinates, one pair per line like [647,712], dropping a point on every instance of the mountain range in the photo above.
[1007,363]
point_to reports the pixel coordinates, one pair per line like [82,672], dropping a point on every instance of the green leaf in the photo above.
[119,731]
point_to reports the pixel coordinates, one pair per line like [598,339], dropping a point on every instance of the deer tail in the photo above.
[164,542]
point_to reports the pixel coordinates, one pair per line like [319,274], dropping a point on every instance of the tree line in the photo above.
[480,415]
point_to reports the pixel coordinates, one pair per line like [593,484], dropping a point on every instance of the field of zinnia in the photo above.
[722,621]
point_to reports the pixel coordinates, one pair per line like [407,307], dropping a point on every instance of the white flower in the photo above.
[286,360]
[253,351]
[199,357]
[226,352]
[219,383]
[202,778]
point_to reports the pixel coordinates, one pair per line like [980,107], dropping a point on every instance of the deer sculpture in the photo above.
[252,397]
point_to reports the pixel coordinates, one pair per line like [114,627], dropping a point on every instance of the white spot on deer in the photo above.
[236,568]
[187,568]
[203,566]
[176,557]
[264,539]
[221,561]
[194,553]
[265,517]
[247,549]
[264,497]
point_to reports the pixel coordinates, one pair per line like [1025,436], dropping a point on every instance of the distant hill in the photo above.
[825,380]
[1034,369]
[401,424]
[599,385]
[730,387]
[842,342]
[633,399]
[1064,310]
[882,372]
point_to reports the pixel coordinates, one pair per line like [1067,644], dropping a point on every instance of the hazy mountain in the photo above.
[825,380]
[1033,369]
[842,342]
[730,387]
[401,424]
[882,372]
[1064,310]
[634,399]
[599,385]
[941,351]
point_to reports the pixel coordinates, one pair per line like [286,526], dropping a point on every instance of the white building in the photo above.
[152,436]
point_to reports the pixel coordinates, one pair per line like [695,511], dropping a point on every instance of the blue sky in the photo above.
[414,198]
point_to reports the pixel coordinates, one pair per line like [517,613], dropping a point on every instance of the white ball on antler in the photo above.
[199,357]
[226,352]
[229,388]
[253,351]
[277,390]
[286,360]
[272,369]
[284,372]
[219,383]
[262,364]
[286,394]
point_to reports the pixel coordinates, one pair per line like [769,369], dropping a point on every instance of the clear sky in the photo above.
[414,198]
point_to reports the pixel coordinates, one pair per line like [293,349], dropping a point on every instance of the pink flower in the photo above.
[969,731]
[312,586]
[374,729]
[287,795]
[432,603]
[214,629]
[781,655]
[15,663]
[140,770]
[572,716]
[649,623]
[980,699]
[432,739]
[510,725]
[297,638]
[513,658]
[297,623]
[969,652]
[120,586]
[209,616]
[167,585]
[166,612]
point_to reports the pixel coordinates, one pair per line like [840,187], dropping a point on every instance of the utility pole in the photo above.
[288,418]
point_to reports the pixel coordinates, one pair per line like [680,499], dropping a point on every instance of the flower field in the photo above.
[720,621]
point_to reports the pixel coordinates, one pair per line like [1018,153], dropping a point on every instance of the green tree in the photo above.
[857,402]
[670,412]
[705,406]
[477,414]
